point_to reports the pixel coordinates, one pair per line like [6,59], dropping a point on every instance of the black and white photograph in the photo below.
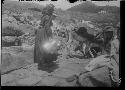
[60,43]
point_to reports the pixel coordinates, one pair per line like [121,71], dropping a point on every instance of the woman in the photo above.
[42,35]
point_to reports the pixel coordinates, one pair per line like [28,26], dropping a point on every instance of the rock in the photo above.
[115,71]
[15,75]
[28,76]
[85,81]
[40,83]
[21,73]
[33,68]
[96,78]
[7,78]
[63,61]
[6,59]
[14,61]
[65,73]
[64,83]
[71,79]
[31,80]
[40,73]
[68,70]
[99,61]
[50,81]
[102,75]
[55,81]
[10,84]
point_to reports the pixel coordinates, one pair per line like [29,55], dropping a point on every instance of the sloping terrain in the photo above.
[90,11]
[89,7]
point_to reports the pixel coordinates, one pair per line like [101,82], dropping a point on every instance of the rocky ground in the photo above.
[18,69]
[71,72]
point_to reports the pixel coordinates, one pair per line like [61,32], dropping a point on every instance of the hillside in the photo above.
[89,7]
[90,12]
[17,7]
[85,7]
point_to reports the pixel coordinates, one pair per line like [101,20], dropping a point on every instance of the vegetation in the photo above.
[32,12]
[11,31]
[89,7]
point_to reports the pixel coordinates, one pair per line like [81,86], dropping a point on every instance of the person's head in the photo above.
[108,28]
[51,5]
[48,10]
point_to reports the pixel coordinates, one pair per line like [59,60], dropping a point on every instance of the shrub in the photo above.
[11,31]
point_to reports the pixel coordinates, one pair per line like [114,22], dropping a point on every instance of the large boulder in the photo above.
[50,81]
[69,69]
[14,60]
[96,78]
[26,76]
[30,81]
